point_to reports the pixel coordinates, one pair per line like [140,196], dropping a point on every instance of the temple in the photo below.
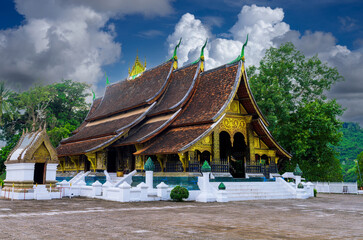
[180,117]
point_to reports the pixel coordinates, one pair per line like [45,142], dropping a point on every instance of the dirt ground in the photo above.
[325,217]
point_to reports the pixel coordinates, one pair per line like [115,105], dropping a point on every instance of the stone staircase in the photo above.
[113,177]
[238,191]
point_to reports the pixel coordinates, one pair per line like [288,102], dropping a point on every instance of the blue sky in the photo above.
[47,40]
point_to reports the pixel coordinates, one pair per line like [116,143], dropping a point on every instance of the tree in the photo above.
[289,89]
[35,103]
[5,106]
[360,169]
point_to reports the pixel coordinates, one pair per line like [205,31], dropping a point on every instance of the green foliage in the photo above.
[300,185]
[349,148]
[315,192]
[289,89]
[3,176]
[61,105]
[1,183]
[360,169]
[178,193]
[4,152]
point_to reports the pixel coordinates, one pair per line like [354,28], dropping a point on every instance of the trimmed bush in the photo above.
[300,185]
[315,192]
[178,193]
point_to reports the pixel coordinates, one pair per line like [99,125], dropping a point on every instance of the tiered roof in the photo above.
[166,109]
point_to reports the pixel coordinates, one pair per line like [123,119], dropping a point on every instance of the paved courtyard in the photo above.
[325,217]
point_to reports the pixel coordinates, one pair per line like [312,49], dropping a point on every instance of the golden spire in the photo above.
[137,69]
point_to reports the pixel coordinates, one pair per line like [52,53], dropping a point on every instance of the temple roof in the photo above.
[180,88]
[173,140]
[28,144]
[126,95]
[214,91]
[81,147]
[166,110]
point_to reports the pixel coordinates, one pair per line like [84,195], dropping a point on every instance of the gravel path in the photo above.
[325,217]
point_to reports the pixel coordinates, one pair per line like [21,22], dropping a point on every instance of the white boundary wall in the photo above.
[336,187]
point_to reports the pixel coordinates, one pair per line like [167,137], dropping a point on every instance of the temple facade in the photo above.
[180,117]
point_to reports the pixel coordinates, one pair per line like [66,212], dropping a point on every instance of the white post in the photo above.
[206,194]
[97,189]
[297,180]
[162,191]
[125,192]
[149,179]
[143,191]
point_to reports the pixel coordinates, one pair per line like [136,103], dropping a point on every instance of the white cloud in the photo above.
[266,29]
[66,39]
[194,34]
[263,25]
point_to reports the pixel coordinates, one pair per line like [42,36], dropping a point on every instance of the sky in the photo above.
[45,41]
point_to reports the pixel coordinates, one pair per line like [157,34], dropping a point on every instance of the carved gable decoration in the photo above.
[33,147]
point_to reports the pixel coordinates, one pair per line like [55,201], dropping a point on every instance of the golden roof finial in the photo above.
[138,68]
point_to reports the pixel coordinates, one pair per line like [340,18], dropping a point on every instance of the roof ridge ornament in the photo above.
[241,57]
[201,57]
[175,57]
[94,95]
[137,69]
[107,81]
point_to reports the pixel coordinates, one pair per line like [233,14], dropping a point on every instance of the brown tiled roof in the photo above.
[264,133]
[214,89]
[138,133]
[77,148]
[101,129]
[248,101]
[95,105]
[179,89]
[129,94]
[173,140]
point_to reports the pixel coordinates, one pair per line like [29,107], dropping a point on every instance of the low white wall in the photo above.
[336,187]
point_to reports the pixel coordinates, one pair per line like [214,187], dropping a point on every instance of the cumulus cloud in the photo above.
[266,29]
[66,39]
[263,25]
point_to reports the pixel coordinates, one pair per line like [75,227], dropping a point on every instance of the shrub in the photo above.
[1,183]
[315,192]
[178,193]
[300,185]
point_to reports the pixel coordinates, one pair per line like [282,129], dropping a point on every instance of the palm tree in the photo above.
[5,106]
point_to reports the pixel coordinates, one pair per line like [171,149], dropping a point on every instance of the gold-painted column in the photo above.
[92,159]
[184,160]
[75,160]
[161,160]
[216,150]
[251,144]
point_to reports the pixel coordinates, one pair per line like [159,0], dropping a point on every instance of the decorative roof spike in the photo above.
[243,49]
[201,57]
[206,167]
[94,95]
[242,55]
[137,69]
[175,49]
[175,64]
[107,82]
[297,171]
[202,51]
[149,165]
